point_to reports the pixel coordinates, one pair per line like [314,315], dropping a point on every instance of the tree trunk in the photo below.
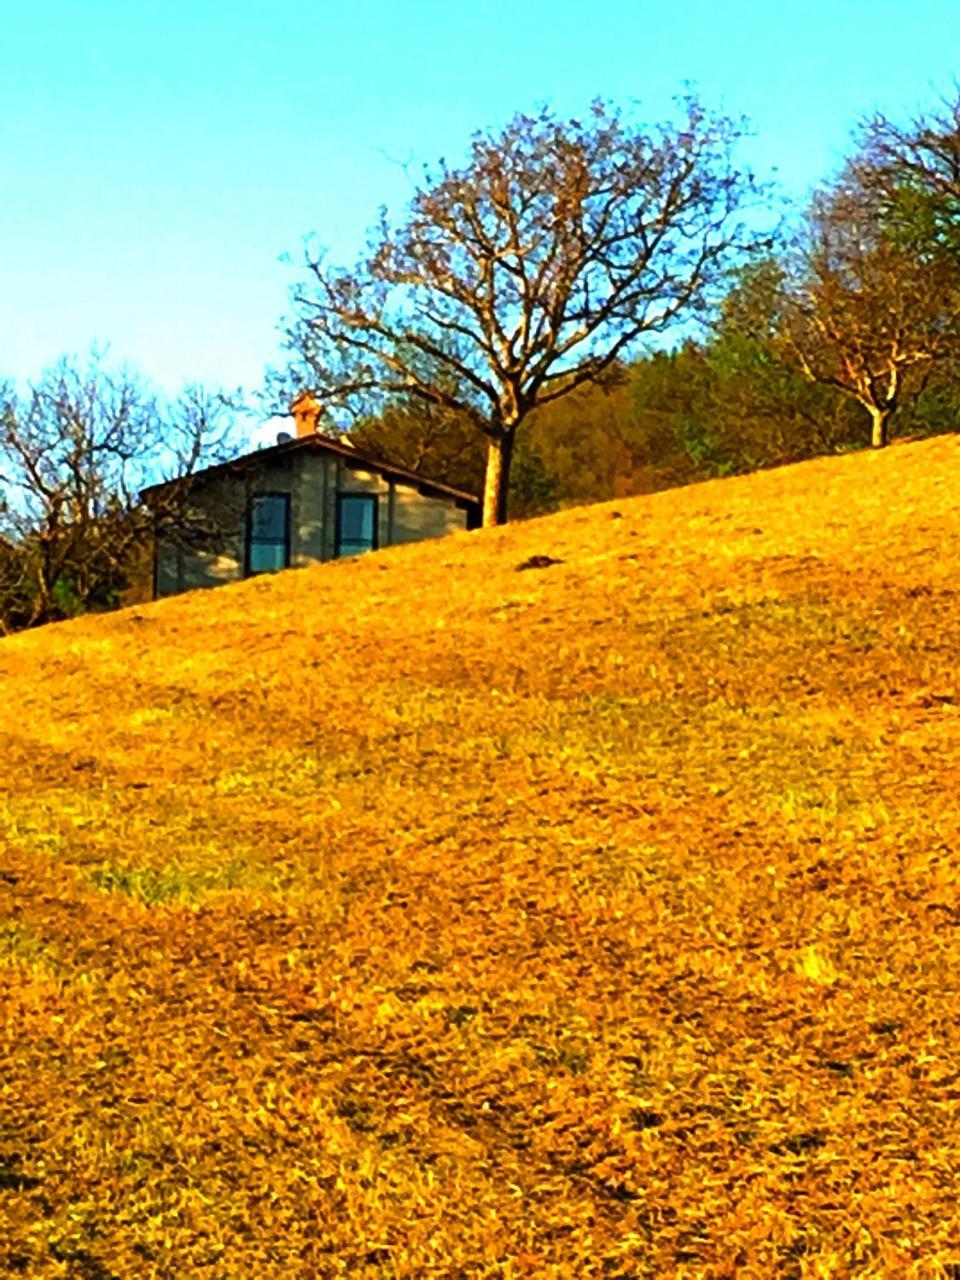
[879,427]
[496,481]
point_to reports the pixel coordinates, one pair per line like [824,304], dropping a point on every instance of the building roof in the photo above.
[326,444]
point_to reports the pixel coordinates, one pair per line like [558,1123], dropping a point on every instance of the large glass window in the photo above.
[268,533]
[356,523]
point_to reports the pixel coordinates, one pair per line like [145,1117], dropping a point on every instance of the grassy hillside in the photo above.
[428,916]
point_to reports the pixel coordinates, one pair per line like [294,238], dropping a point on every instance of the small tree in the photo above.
[873,304]
[74,453]
[526,273]
[761,409]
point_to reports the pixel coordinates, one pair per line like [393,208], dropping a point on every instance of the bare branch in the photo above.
[529,270]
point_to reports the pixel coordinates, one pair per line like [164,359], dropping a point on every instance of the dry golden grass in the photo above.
[416,916]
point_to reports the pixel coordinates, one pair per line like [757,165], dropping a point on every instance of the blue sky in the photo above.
[158,159]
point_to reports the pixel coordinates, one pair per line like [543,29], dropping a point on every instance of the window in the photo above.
[268,533]
[356,523]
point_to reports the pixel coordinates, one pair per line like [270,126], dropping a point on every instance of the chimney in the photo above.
[305,409]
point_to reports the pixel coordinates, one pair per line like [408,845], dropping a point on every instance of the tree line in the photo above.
[585,308]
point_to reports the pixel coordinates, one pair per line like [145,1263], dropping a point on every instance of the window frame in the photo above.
[351,495]
[249,571]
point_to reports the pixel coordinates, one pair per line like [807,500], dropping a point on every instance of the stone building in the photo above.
[307,498]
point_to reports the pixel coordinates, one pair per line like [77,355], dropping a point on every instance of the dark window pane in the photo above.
[269,533]
[267,556]
[268,522]
[358,517]
[356,520]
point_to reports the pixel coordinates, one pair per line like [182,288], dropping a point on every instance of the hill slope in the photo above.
[422,916]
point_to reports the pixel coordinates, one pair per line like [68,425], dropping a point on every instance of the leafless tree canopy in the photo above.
[874,299]
[75,451]
[914,170]
[527,272]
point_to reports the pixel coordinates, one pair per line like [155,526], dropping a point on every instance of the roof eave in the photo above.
[323,444]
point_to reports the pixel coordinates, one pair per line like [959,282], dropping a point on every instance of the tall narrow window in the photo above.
[356,523]
[268,533]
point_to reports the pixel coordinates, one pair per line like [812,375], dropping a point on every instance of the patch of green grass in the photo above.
[21,947]
[153,886]
[288,773]
[147,884]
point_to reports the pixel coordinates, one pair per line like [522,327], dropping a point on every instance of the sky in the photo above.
[162,163]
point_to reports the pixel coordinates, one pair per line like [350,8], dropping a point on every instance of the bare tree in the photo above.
[528,272]
[914,172]
[869,309]
[74,453]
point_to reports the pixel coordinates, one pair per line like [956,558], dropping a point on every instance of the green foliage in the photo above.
[533,487]
[66,598]
[702,446]
[935,409]
[918,220]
